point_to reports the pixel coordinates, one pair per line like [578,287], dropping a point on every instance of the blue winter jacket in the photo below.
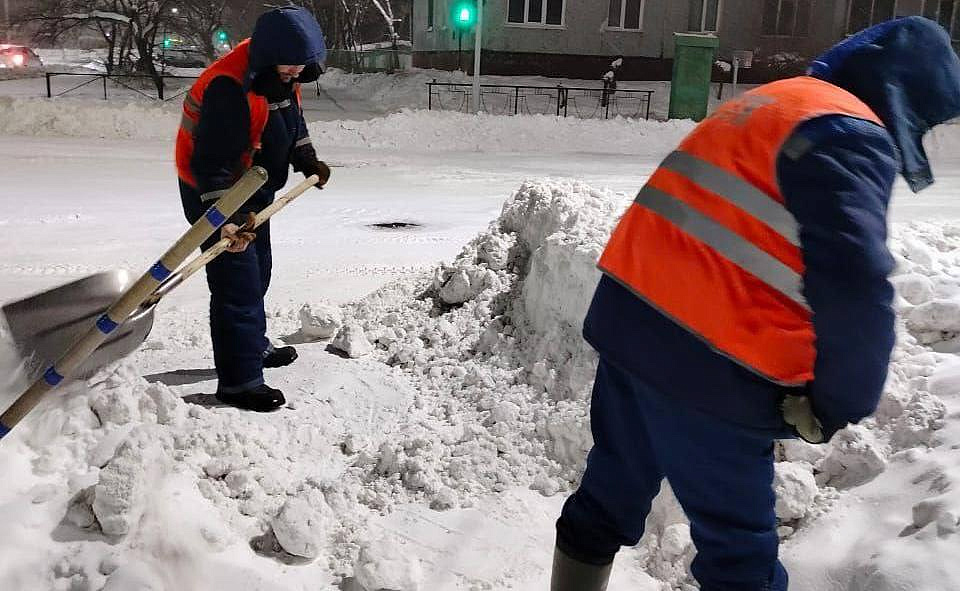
[283,36]
[838,190]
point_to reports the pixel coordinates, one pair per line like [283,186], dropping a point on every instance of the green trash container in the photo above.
[692,66]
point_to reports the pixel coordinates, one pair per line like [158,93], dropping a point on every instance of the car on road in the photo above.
[182,58]
[18,56]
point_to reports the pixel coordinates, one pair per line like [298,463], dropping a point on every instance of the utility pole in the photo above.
[476,57]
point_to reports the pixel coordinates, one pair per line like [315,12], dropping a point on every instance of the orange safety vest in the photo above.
[233,65]
[709,241]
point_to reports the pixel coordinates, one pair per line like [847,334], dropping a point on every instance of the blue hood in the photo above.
[285,36]
[907,71]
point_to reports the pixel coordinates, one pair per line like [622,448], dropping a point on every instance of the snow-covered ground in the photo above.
[439,457]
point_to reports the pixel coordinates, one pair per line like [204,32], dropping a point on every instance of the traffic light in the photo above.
[222,36]
[167,42]
[464,14]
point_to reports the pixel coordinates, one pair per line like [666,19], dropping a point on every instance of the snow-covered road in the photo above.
[415,464]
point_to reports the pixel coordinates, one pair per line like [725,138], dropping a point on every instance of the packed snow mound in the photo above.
[488,383]
[432,131]
[57,118]
[419,131]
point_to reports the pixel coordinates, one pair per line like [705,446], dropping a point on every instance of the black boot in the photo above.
[572,575]
[280,357]
[262,398]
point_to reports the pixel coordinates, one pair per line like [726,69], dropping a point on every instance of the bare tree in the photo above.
[200,20]
[131,24]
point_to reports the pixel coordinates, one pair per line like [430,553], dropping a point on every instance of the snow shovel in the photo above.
[56,308]
[43,325]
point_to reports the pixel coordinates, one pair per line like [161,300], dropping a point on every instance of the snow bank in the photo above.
[417,131]
[488,380]
[45,117]
[429,131]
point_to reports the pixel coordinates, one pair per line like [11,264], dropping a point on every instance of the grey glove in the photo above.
[798,413]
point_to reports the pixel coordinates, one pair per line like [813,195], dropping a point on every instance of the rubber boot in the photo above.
[573,575]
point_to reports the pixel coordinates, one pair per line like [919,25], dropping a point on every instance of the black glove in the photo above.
[305,160]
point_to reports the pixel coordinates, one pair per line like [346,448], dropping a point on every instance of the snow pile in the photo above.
[418,131]
[43,117]
[429,131]
[408,90]
[487,382]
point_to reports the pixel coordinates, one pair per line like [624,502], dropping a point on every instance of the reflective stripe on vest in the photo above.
[710,243]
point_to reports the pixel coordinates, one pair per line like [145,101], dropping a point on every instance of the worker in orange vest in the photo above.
[245,110]
[744,298]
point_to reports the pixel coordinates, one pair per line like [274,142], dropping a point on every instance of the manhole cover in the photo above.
[394,225]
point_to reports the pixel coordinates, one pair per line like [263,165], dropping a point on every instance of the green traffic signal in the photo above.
[166,41]
[222,36]
[464,14]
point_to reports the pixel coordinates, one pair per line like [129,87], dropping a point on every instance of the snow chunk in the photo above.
[938,315]
[301,526]
[796,489]
[457,285]
[352,340]
[798,450]
[124,482]
[320,320]
[854,458]
[385,565]
[916,289]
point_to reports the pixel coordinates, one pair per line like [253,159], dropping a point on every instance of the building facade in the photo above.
[579,38]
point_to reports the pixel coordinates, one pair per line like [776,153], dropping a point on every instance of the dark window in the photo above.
[860,13]
[771,9]
[803,18]
[554,12]
[883,10]
[945,16]
[430,13]
[712,17]
[788,13]
[537,12]
[534,11]
[909,7]
[614,19]
[632,15]
[787,18]
[515,12]
[955,30]
[704,15]
[696,16]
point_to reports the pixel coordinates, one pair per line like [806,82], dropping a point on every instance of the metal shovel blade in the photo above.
[45,325]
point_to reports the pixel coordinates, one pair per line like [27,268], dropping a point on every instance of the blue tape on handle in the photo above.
[106,324]
[52,377]
[159,271]
[215,218]
[4,430]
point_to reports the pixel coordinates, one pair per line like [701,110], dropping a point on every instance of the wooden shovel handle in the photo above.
[131,299]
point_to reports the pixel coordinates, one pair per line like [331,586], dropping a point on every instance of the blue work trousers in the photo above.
[721,473]
[238,283]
